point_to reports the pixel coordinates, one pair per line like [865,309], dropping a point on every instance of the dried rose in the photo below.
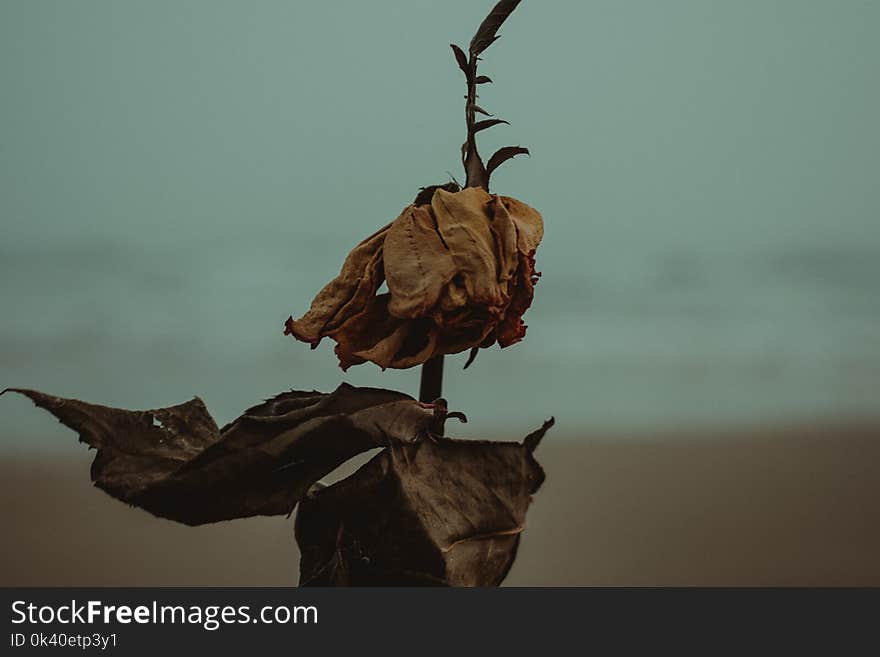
[460,264]
[460,272]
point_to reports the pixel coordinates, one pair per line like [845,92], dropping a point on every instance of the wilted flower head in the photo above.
[460,272]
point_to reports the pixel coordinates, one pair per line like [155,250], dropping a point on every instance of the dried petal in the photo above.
[420,264]
[347,294]
[462,221]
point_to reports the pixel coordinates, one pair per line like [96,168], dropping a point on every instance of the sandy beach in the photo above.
[788,505]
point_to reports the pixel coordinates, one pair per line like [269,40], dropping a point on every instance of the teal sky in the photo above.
[244,147]
[696,120]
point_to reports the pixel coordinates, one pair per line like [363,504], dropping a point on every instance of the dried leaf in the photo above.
[436,513]
[487,32]
[487,123]
[504,154]
[482,79]
[532,441]
[461,58]
[479,109]
[427,193]
[175,463]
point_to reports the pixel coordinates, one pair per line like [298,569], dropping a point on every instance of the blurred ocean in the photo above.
[649,337]
[176,179]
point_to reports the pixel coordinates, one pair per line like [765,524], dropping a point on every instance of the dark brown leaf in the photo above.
[504,154]
[175,463]
[532,441]
[427,193]
[461,58]
[436,513]
[482,79]
[487,32]
[487,123]
[479,109]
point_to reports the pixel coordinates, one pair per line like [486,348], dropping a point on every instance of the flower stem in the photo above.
[474,168]
[432,380]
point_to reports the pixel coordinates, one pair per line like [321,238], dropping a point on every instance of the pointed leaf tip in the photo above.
[487,33]
[471,357]
[532,441]
[488,123]
[460,57]
[504,154]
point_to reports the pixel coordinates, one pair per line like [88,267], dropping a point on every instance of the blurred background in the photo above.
[178,178]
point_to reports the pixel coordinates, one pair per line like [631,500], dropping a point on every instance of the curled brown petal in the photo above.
[460,274]
[347,294]
[462,221]
[420,264]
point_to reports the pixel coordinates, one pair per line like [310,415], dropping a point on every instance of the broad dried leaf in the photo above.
[175,463]
[461,58]
[487,32]
[487,123]
[436,513]
[482,79]
[504,154]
